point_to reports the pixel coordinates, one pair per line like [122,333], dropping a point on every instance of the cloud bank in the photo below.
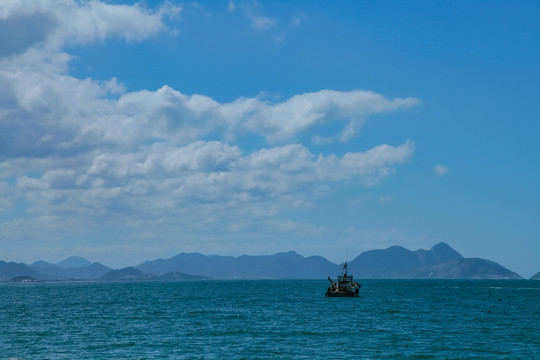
[81,152]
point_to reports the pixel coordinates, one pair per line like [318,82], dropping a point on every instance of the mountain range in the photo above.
[396,262]
[288,265]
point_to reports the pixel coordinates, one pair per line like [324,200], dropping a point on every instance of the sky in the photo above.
[131,131]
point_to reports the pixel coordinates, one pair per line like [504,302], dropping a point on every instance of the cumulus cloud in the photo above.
[20,31]
[302,112]
[86,151]
[67,22]
[204,173]
[54,113]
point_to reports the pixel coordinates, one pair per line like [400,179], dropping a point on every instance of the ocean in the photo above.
[270,319]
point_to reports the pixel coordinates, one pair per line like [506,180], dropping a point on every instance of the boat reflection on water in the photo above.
[345,286]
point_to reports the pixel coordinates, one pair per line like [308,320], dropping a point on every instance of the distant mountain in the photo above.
[54,271]
[396,262]
[288,265]
[12,270]
[471,268]
[86,272]
[129,273]
[176,276]
[73,262]
[536,276]
[92,271]
[441,262]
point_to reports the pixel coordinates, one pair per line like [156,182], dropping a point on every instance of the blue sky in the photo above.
[133,131]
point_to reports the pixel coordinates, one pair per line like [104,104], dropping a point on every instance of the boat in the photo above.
[345,286]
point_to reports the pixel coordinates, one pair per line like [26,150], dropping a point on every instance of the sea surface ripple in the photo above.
[270,319]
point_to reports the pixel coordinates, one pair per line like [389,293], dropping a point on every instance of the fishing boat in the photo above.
[345,286]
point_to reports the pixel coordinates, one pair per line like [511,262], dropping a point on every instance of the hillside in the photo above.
[441,262]
[75,268]
[288,265]
[12,270]
[129,273]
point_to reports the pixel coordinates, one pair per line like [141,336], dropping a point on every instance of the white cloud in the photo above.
[67,21]
[53,113]
[282,121]
[82,152]
[198,179]
[141,155]
[348,133]
[20,31]
[252,10]
[262,23]
[441,170]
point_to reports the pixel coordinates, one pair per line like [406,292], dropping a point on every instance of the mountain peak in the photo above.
[442,252]
[73,262]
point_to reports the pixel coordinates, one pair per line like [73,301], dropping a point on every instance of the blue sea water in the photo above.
[392,319]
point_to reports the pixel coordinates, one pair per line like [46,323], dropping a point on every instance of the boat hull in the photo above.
[342,294]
